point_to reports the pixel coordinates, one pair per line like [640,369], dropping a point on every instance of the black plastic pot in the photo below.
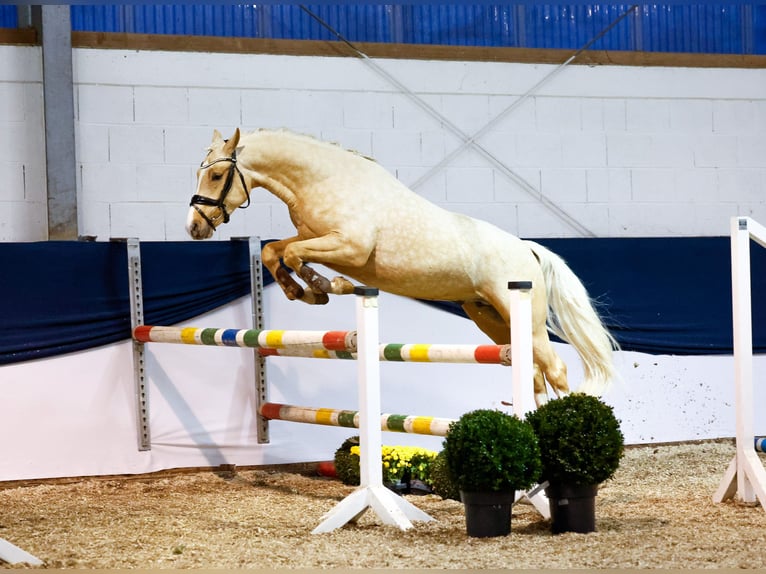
[573,507]
[487,513]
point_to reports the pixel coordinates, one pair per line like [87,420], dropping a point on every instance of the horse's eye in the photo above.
[216,176]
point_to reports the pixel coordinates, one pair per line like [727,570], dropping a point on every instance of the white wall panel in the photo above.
[161,106]
[104,104]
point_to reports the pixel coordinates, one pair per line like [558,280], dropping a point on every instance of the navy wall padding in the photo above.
[664,295]
[657,295]
[59,297]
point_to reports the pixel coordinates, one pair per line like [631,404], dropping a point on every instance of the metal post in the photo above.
[256,297]
[58,103]
[139,357]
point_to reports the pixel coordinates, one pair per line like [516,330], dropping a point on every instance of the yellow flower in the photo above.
[397,459]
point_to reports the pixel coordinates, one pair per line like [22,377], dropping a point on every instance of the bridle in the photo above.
[197,200]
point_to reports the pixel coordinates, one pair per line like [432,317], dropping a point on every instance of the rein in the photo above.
[197,200]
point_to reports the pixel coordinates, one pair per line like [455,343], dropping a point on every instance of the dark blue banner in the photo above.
[656,295]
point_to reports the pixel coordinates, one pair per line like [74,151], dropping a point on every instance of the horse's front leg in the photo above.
[321,284]
[271,254]
[331,249]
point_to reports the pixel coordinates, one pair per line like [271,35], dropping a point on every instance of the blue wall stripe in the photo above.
[701,28]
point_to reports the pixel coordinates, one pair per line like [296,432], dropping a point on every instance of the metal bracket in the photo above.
[139,357]
[742,222]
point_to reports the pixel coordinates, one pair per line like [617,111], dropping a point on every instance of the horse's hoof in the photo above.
[341,286]
[318,283]
[294,292]
[313,298]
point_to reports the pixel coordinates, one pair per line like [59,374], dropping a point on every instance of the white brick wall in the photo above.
[626,151]
[23,211]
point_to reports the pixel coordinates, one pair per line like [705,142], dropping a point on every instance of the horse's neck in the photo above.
[280,162]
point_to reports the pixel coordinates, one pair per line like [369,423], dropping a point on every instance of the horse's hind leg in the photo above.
[495,327]
[550,366]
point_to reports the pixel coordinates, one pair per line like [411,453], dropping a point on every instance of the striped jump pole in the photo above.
[322,345]
[252,338]
[411,353]
[350,419]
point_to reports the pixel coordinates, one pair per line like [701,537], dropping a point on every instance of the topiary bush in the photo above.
[441,481]
[580,440]
[489,450]
[347,464]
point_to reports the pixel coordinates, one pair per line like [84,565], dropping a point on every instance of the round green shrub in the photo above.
[580,440]
[347,464]
[441,481]
[489,450]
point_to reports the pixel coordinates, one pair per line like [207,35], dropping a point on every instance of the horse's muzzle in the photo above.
[197,227]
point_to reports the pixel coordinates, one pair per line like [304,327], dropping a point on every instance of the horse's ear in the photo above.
[231,143]
[217,137]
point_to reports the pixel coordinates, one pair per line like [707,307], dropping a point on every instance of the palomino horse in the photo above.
[354,217]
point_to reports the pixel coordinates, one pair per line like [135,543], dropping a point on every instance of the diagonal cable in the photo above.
[521,99]
[471,140]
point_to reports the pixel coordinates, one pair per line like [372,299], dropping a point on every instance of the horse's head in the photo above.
[221,188]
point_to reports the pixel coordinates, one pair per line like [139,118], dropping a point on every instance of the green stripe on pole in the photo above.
[251,337]
[346,419]
[208,336]
[396,422]
[393,352]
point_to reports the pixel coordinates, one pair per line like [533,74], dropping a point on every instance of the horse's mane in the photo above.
[309,137]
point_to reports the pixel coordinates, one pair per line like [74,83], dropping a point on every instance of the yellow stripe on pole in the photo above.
[274,339]
[422,425]
[188,335]
[325,416]
[321,354]
[419,352]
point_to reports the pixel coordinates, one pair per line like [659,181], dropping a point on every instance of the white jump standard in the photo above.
[390,507]
[746,476]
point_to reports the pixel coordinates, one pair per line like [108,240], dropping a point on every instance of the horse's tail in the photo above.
[573,319]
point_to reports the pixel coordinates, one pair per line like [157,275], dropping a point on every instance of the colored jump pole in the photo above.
[390,508]
[321,345]
[412,424]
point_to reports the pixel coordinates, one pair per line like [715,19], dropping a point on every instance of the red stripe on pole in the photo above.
[487,354]
[271,410]
[268,352]
[142,333]
[334,340]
